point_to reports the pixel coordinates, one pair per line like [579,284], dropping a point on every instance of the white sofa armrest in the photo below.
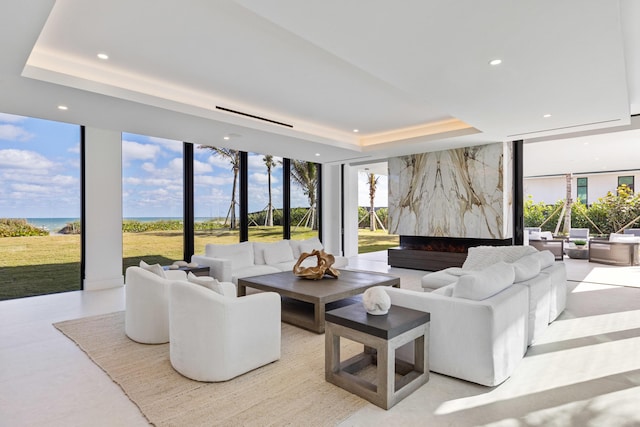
[219,268]
[478,341]
[229,289]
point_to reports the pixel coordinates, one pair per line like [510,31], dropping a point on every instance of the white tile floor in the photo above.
[585,370]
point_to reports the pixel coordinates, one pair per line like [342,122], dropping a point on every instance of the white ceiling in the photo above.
[411,76]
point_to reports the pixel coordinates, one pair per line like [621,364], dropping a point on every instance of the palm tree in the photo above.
[234,158]
[270,163]
[305,174]
[372,180]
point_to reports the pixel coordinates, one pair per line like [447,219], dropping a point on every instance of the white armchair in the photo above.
[147,304]
[216,338]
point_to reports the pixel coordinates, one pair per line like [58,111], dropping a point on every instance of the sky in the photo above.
[40,175]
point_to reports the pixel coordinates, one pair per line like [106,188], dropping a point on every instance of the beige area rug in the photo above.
[291,391]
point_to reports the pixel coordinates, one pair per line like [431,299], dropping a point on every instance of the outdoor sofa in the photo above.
[619,249]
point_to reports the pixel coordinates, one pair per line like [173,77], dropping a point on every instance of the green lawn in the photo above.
[39,265]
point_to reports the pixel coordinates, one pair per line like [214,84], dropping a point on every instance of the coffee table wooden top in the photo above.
[348,284]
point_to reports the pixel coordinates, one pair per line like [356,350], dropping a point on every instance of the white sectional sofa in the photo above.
[228,263]
[485,314]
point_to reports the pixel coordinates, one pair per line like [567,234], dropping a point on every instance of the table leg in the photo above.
[242,290]
[318,316]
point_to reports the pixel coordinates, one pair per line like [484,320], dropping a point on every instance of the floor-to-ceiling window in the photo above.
[152,200]
[265,197]
[39,207]
[216,190]
[304,199]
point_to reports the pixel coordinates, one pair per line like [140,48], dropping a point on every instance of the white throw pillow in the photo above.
[480,285]
[259,248]
[240,254]
[280,252]
[307,245]
[546,259]
[526,268]
[206,281]
[154,268]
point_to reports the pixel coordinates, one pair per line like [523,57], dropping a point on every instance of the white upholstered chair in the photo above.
[147,304]
[216,338]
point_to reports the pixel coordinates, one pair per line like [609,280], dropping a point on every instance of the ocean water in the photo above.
[54,225]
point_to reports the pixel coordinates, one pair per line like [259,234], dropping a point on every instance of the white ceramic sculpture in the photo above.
[376,301]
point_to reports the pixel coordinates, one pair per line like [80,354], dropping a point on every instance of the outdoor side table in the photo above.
[381,336]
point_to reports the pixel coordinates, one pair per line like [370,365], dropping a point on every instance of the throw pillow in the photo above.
[546,259]
[155,269]
[483,284]
[206,281]
[281,252]
[259,248]
[240,254]
[526,268]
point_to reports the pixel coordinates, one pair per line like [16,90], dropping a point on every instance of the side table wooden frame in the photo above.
[381,352]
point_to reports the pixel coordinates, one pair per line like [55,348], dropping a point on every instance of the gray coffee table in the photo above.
[305,301]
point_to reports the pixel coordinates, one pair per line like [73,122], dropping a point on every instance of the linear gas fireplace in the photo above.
[436,253]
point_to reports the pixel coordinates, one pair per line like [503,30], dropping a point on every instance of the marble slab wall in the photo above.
[465,192]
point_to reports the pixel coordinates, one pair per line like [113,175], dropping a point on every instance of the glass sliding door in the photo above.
[39,207]
[152,200]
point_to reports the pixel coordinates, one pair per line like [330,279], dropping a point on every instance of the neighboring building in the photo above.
[587,188]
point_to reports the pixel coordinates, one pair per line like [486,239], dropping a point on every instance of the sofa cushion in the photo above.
[255,270]
[278,252]
[480,285]
[480,257]
[546,259]
[258,251]
[240,254]
[526,267]
[153,268]
[623,238]
[206,281]
[307,245]
[441,278]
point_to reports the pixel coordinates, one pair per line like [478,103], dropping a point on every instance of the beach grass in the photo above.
[38,265]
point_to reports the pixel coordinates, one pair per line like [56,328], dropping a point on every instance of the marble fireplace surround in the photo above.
[441,203]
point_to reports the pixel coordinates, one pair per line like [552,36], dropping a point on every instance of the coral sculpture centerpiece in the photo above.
[324,266]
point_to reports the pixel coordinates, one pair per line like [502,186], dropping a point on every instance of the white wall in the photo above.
[551,189]
[103,215]
[351,211]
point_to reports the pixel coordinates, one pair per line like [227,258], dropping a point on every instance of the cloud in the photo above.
[14,133]
[10,118]
[132,150]
[24,159]
[169,144]
[33,189]
[201,167]
[75,149]
[209,180]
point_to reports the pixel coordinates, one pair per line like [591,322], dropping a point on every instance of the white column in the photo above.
[351,211]
[331,209]
[103,210]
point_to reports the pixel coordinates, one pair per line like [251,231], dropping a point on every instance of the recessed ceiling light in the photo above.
[547,116]
[226,138]
[356,130]
[317,154]
[63,107]
[103,56]
[495,62]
